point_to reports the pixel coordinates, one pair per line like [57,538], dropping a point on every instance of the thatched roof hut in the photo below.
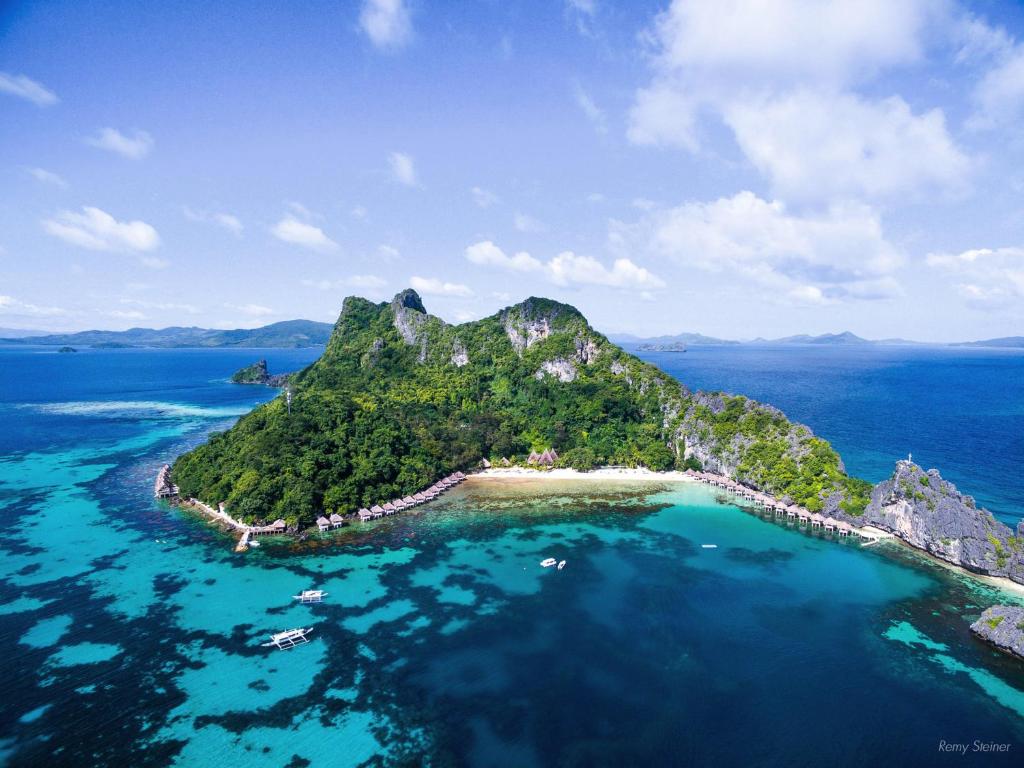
[323,523]
[337,520]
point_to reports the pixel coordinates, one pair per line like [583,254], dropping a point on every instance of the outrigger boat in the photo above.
[561,565]
[288,639]
[548,562]
[310,596]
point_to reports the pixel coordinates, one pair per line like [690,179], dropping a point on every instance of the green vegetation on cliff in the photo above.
[399,398]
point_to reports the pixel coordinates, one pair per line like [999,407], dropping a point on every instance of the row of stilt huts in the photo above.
[396,505]
[773,506]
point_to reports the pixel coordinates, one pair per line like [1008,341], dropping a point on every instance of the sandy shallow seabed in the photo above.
[627,473]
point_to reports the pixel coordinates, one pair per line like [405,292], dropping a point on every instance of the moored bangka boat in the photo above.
[548,562]
[310,596]
[561,565]
[288,639]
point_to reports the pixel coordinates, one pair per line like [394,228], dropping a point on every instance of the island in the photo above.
[401,400]
[285,334]
[66,350]
[257,373]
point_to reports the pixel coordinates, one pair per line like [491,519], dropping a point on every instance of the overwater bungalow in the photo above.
[817,520]
[365,514]
[377,510]
[830,524]
[323,523]
[419,497]
[337,520]
[409,501]
[389,508]
[279,526]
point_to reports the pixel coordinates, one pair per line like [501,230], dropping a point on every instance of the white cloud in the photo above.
[388,252]
[526,223]
[999,95]
[483,198]
[567,268]
[781,76]
[365,281]
[488,254]
[125,314]
[431,286]
[984,277]
[841,253]
[12,306]
[252,310]
[359,212]
[386,22]
[225,220]
[44,176]
[26,88]
[97,230]
[291,230]
[112,140]
[154,262]
[403,169]
[829,146]
[594,113]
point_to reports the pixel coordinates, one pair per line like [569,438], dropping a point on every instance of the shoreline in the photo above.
[626,473]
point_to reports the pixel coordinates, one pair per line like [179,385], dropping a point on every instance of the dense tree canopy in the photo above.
[400,398]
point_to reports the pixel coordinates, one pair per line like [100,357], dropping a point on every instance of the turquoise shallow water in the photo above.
[136,630]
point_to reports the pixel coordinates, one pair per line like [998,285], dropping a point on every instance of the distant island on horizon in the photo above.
[311,333]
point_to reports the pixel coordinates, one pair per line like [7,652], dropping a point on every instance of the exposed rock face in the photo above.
[460,356]
[560,368]
[586,350]
[528,323]
[930,513]
[618,368]
[1003,627]
[410,314]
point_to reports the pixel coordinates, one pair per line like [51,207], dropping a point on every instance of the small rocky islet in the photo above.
[1002,626]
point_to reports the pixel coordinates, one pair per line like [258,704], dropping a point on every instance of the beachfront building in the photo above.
[365,514]
[323,523]
[337,520]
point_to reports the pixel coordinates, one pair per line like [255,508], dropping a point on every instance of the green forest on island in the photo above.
[400,398]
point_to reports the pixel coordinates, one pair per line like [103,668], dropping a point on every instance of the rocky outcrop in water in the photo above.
[257,373]
[930,513]
[1003,627]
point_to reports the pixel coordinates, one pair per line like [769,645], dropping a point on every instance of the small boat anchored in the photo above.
[561,564]
[709,546]
[548,562]
[288,639]
[310,596]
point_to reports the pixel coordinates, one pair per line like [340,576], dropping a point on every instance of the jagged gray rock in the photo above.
[930,513]
[560,368]
[460,356]
[410,314]
[1003,627]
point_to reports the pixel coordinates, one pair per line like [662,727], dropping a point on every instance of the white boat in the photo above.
[254,543]
[310,596]
[548,562]
[288,639]
[709,546]
[561,565]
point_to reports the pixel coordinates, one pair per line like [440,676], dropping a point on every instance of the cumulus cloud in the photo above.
[567,268]
[403,168]
[984,277]
[839,254]
[134,147]
[488,254]
[431,286]
[44,176]
[835,146]
[292,230]
[782,76]
[224,220]
[24,87]
[386,22]
[97,230]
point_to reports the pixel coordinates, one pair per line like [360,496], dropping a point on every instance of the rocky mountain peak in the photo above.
[408,299]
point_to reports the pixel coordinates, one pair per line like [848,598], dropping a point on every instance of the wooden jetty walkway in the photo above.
[770,505]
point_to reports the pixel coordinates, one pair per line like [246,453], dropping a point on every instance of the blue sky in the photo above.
[734,167]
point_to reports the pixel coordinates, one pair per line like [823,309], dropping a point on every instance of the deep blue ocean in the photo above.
[134,630]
